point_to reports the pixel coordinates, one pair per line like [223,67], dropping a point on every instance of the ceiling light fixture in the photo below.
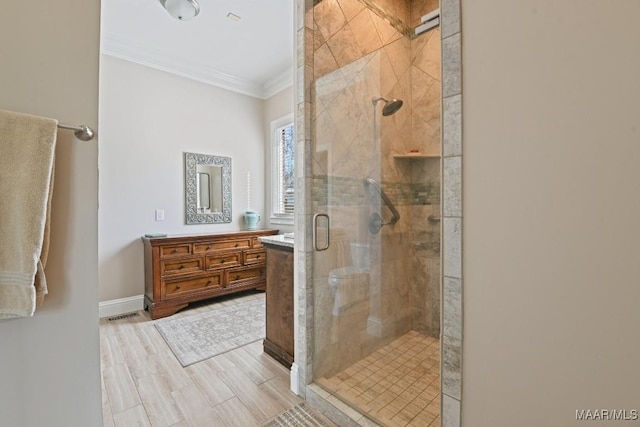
[182,10]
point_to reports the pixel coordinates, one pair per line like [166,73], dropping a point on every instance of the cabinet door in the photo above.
[280,299]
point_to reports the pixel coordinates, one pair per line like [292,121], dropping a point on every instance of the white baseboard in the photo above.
[118,306]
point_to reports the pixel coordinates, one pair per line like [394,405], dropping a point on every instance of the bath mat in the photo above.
[301,415]
[201,336]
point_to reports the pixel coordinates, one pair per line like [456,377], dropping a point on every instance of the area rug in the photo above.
[224,328]
[300,415]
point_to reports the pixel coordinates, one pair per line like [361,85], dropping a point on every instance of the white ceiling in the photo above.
[253,56]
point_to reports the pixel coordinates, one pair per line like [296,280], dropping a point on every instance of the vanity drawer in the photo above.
[222,245]
[181,266]
[256,243]
[175,250]
[176,288]
[229,259]
[243,275]
[254,257]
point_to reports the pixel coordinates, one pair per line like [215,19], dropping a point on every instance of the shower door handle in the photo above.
[315,232]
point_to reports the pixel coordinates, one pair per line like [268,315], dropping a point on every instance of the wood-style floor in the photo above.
[143,384]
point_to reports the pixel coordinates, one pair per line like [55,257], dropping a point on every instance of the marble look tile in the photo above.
[452,126]
[421,82]
[452,73]
[450,412]
[385,30]
[344,47]
[299,14]
[300,85]
[304,53]
[394,8]
[452,245]
[424,137]
[398,53]
[329,17]
[452,316]
[307,93]
[452,187]
[449,17]
[324,61]
[426,55]
[365,33]
[427,107]
[388,78]
[451,366]
[328,87]
[318,39]
[351,8]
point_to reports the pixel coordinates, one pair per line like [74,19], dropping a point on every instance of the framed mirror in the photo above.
[207,182]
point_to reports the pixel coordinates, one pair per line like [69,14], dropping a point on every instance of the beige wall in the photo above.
[50,364]
[551,122]
[148,119]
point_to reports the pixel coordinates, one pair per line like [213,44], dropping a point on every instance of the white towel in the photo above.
[27,148]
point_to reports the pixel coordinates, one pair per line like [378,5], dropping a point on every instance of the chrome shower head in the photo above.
[391,106]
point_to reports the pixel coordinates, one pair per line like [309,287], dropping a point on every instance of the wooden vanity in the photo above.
[279,342]
[183,269]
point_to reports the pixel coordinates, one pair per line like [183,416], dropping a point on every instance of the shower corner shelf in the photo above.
[416,156]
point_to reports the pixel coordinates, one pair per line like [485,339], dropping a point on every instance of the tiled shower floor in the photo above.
[398,385]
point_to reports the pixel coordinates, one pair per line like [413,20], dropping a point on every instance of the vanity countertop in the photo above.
[277,240]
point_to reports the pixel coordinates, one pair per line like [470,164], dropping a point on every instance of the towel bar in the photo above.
[82,132]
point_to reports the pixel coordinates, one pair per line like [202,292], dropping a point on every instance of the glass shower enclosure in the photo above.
[375,190]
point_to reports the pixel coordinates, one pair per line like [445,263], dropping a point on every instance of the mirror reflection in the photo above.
[207,189]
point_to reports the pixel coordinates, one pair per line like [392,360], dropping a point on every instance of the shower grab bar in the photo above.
[372,182]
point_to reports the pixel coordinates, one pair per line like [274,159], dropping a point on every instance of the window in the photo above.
[282,171]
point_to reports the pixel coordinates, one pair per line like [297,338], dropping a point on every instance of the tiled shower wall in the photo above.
[355,53]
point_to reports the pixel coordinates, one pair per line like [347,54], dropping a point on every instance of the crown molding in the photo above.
[127,50]
[278,83]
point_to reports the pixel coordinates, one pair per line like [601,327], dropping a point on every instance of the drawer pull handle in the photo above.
[181,267]
[177,287]
[208,247]
[175,251]
[258,256]
[221,261]
[237,244]
[237,277]
[208,282]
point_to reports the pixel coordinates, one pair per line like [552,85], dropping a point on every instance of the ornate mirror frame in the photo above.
[192,216]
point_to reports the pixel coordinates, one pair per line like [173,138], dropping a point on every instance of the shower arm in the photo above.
[396,216]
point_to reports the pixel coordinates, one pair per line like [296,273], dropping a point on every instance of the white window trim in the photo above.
[275,218]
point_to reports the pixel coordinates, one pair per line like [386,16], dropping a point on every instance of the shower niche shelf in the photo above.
[416,156]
